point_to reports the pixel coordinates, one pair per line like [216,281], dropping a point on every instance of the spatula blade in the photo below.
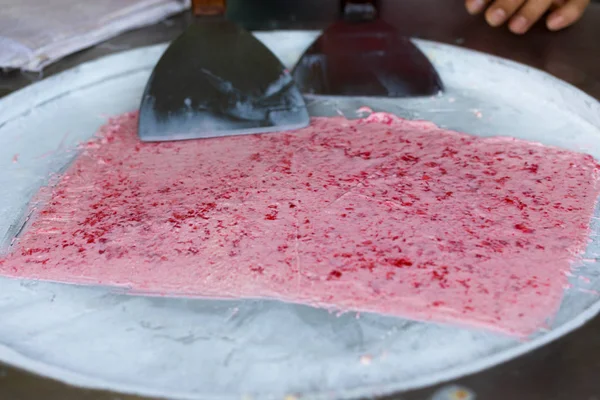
[217,79]
[365,59]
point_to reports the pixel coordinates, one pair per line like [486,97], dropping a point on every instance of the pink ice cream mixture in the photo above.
[378,214]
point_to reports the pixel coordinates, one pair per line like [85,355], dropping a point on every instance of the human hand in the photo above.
[522,14]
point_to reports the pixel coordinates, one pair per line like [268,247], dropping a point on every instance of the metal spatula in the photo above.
[361,55]
[217,79]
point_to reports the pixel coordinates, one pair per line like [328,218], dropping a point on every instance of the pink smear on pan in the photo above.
[378,214]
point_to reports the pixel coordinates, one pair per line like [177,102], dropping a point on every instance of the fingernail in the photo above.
[519,24]
[496,17]
[556,22]
[475,6]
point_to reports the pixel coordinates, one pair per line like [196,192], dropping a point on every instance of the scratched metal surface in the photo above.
[184,348]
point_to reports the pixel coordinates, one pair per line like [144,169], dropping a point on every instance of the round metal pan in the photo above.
[220,349]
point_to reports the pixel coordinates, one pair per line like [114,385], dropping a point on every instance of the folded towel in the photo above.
[36,33]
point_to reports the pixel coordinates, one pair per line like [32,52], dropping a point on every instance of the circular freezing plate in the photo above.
[184,348]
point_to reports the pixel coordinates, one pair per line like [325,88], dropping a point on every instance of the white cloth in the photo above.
[35,33]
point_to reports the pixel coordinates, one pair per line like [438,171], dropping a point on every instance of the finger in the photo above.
[567,14]
[476,6]
[528,15]
[501,10]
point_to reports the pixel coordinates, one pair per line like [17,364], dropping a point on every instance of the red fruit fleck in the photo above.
[533,168]
[437,275]
[523,228]
[258,270]
[400,262]
[409,158]
[370,266]
[335,274]
[464,282]
[449,152]
[271,216]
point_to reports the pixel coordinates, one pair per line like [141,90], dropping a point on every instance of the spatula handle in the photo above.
[350,2]
[359,9]
[209,7]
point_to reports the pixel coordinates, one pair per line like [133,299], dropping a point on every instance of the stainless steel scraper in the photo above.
[217,79]
[362,55]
